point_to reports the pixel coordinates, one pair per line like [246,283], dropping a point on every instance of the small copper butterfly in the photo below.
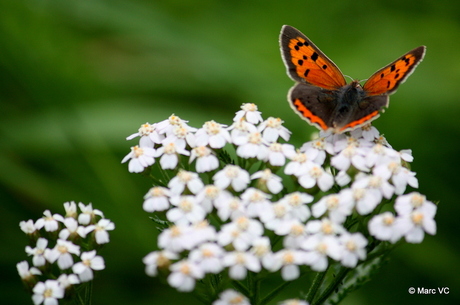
[321,95]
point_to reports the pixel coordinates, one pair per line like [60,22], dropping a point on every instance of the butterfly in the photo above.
[322,97]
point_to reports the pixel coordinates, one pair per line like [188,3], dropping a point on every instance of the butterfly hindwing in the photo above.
[367,110]
[387,79]
[313,104]
[306,63]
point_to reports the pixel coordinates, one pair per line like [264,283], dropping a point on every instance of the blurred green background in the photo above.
[77,77]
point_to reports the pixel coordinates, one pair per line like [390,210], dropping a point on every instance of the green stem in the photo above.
[87,293]
[333,286]
[240,287]
[319,278]
[254,289]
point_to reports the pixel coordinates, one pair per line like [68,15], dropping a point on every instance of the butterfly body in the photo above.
[321,95]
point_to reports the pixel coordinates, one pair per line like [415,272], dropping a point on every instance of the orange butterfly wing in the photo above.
[387,79]
[306,63]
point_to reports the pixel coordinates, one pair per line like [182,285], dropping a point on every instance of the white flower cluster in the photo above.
[227,216]
[63,247]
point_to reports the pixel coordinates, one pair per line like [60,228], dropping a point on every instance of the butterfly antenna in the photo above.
[351,78]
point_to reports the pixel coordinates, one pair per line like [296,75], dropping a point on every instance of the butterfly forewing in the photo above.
[387,79]
[306,63]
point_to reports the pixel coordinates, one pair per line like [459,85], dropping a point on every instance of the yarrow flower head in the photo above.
[237,202]
[63,252]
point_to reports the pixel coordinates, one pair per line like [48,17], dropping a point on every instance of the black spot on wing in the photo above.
[314,56]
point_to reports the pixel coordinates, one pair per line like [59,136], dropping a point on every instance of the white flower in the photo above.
[89,262]
[187,210]
[156,199]
[405,204]
[158,260]
[379,154]
[351,155]
[276,214]
[167,126]
[324,227]
[383,227]
[184,179]
[241,233]
[176,238]
[367,132]
[297,201]
[268,180]
[381,140]
[277,153]
[318,248]
[343,142]
[288,260]
[70,209]
[28,226]
[208,257]
[202,232]
[414,225]
[183,275]
[181,135]
[211,196]
[337,206]
[354,248]
[213,134]
[295,234]
[374,182]
[50,222]
[38,252]
[141,157]
[316,175]
[400,176]
[100,229]
[25,273]
[300,163]
[261,247]
[239,131]
[88,214]
[272,129]
[365,200]
[231,175]
[206,161]
[72,229]
[62,252]
[406,155]
[149,135]
[249,113]
[67,280]
[318,149]
[231,208]
[169,153]
[231,297]
[47,293]
[253,146]
[239,263]
[255,201]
